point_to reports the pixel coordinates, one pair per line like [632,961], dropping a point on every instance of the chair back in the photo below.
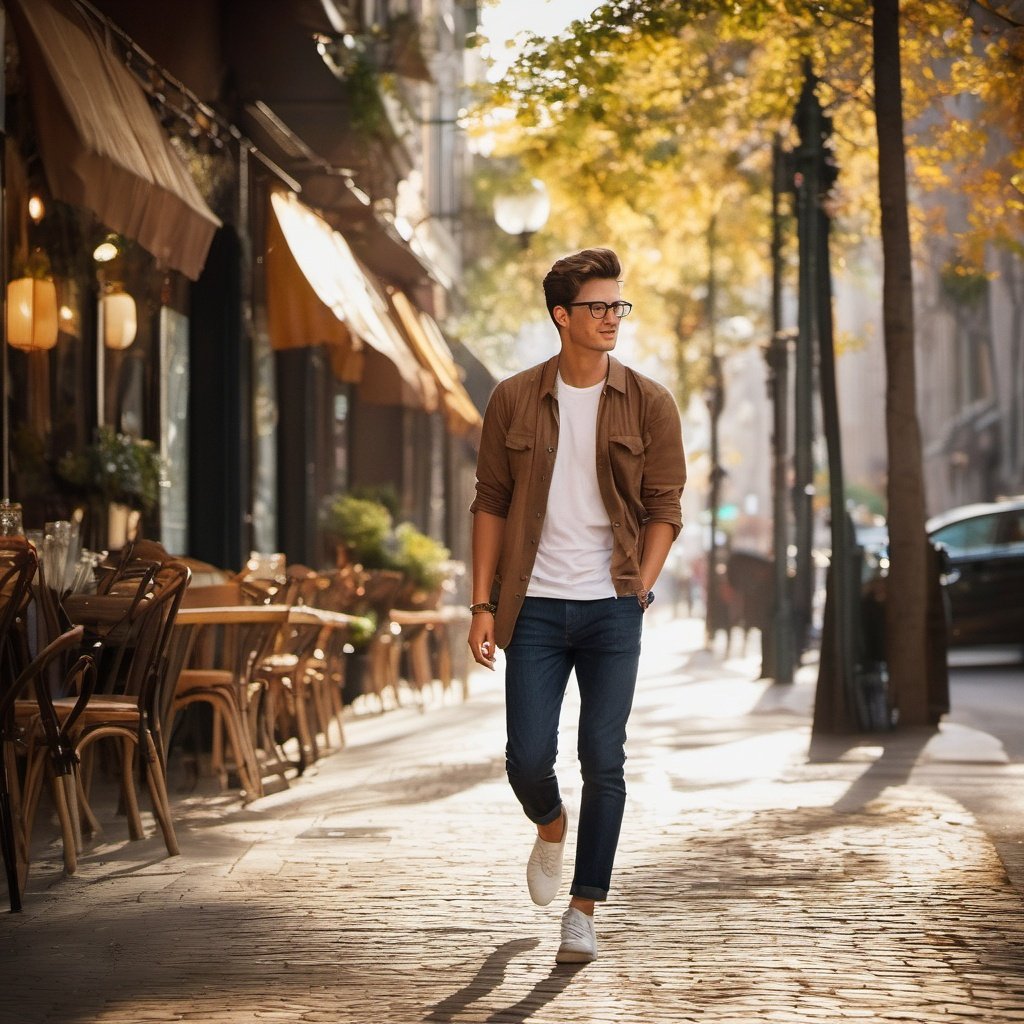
[380,591]
[132,622]
[18,564]
[136,560]
[342,589]
[302,585]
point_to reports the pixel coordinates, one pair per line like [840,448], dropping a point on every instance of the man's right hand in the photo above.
[481,639]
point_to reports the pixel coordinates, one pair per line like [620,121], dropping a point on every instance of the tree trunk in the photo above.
[906,599]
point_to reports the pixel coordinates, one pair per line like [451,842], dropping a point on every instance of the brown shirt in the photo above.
[641,471]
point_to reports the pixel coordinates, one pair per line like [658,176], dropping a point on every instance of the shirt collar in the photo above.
[549,374]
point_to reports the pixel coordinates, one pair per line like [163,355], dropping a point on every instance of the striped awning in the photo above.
[101,144]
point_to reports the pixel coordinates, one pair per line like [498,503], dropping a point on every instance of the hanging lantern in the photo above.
[32,314]
[119,318]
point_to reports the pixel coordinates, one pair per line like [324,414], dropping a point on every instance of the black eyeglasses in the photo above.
[598,310]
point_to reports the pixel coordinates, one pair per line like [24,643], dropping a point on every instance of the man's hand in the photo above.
[481,639]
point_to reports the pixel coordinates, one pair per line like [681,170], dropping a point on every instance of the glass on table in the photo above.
[56,542]
[11,524]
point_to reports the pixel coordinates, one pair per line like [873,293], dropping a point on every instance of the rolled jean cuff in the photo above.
[589,892]
[549,817]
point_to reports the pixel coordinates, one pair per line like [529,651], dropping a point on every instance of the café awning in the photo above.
[317,293]
[461,415]
[101,144]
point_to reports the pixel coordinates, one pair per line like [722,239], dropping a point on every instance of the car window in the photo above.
[1011,529]
[968,535]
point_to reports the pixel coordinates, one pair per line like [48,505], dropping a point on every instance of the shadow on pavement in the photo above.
[538,997]
[489,977]
[900,754]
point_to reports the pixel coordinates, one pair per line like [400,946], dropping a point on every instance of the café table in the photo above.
[263,627]
[445,625]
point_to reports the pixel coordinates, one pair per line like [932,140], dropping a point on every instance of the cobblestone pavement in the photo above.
[387,886]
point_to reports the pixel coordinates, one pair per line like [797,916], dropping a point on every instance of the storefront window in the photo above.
[174,386]
[50,378]
[340,483]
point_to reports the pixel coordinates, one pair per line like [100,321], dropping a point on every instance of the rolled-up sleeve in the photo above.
[664,473]
[493,474]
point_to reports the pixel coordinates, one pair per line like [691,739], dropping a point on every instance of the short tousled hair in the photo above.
[568,275]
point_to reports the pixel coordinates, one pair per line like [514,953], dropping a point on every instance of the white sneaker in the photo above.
[544,868]
[579,942]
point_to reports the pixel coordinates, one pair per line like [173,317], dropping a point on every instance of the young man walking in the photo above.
[579,479]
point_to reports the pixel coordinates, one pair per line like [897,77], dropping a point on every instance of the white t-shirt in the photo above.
[574,555]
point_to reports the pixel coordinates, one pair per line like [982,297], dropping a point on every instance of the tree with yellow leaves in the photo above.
[652,121]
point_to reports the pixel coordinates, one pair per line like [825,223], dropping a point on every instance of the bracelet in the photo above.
[483,606]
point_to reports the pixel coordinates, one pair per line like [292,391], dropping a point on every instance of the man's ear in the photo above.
[561,315]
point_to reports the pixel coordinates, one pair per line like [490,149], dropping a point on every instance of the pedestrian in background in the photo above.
[579,479]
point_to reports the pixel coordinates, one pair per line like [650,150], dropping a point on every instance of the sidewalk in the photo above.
[387,886]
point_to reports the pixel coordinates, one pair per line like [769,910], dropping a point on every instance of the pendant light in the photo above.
[120,320]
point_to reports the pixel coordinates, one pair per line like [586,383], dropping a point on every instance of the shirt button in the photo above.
[538,515]
[524,577]
[518,596]
[616,525]
[550,449]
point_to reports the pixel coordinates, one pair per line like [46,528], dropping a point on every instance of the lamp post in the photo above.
[781,654]
[715,397]
[838,705]
[806,184]
[523,213]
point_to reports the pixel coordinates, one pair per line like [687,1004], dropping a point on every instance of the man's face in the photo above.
[580,328]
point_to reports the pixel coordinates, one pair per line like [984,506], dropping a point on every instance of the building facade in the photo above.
[274,182]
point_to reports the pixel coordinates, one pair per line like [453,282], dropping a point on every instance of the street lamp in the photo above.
[523,213]
[734,329]
[714,395]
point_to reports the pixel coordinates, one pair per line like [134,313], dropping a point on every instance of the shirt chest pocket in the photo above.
[518,449]
[626,456]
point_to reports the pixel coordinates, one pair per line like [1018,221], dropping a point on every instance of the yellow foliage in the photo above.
[654,118]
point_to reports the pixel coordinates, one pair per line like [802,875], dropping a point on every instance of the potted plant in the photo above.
[425,565]
[119,478]
[360,528]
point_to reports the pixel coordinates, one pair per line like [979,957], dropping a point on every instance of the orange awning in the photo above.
[427,341]
[101,145]
[317,293]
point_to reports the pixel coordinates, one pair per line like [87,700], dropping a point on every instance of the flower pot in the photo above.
[122,525]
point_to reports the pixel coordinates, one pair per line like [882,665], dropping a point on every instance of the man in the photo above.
[579,479]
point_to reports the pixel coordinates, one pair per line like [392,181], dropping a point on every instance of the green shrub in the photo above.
[422,559]
[363,527]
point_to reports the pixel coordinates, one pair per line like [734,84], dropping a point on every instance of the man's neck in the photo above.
[583,369]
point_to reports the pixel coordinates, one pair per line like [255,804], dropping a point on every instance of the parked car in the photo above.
[984,581]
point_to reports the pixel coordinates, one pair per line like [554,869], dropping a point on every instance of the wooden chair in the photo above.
[18,564]
[221,673]
[289,671]
[315,652]
[133,628]
[338,591]
[48,747]
[379,593]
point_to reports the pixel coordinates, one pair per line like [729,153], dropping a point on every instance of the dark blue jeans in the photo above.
[601,641]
